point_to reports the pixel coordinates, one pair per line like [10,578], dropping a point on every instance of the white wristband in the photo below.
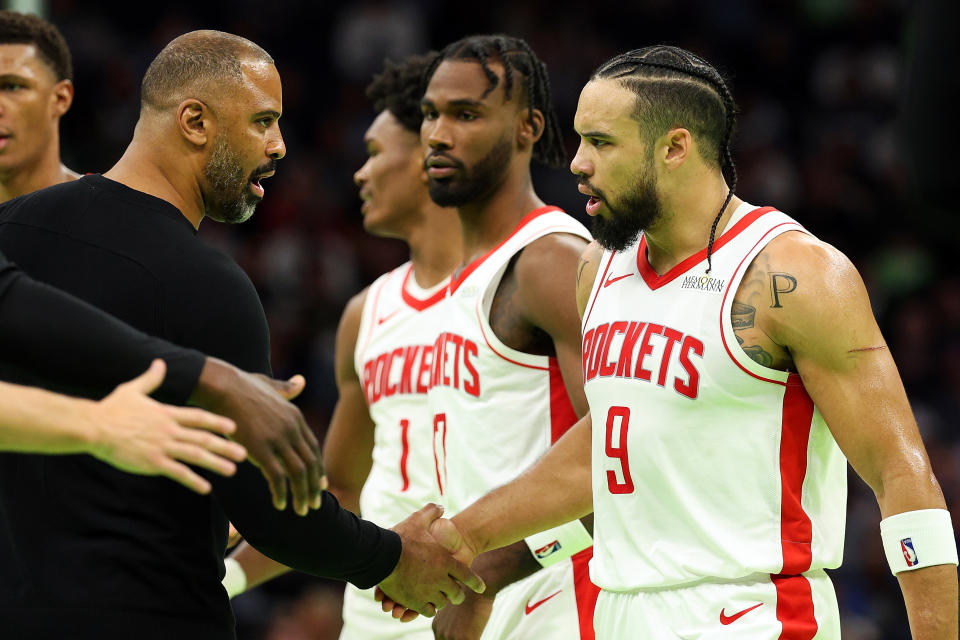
[918,539]
[235,578]
[553,545]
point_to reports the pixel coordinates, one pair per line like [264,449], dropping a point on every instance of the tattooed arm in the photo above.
[803,307]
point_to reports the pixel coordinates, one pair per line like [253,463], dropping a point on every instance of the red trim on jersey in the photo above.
[585,591]
[417,303]
[604,275]
[723,305]
[795,607]
[562,415]
[457,280]
[655,281]
[373,316]
[796,530]
[485,339]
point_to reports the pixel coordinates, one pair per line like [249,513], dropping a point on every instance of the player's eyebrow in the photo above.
[267,112]
[594,134]
[458,102]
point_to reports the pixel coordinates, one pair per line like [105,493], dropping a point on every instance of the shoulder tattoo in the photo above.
[780,284]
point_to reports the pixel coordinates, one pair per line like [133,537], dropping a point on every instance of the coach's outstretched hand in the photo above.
[276,436]
[427,577]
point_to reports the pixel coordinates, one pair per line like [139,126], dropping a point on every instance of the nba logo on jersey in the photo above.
[909,554]
[547,549]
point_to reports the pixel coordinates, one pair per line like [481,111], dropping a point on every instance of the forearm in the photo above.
[38,421]
[555,490]
[257,567]
[53,335]
[329,541]
[930,595]
[504,566]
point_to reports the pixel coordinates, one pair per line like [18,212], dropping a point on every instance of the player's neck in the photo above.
[684,228]
[45,172]
[434,245]
[487,223]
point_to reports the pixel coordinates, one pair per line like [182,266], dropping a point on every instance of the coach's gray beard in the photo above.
[229,199]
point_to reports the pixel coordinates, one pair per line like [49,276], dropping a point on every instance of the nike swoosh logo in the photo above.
[531,607]
[725,620]
[387,317]
[611,280]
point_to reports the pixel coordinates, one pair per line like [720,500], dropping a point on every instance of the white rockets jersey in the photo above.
[496,410]
[706,464]
[393,358]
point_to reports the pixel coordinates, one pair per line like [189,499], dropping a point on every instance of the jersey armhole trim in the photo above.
[457,280]
[595,293]
[732,347]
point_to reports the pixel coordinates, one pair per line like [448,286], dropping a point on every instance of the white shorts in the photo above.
[363,619]
[555,603]
[760,607]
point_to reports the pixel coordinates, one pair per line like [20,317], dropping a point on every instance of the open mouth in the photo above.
[255,185]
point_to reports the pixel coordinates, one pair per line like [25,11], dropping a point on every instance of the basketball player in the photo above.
[379,449]
[731,361]
[506,379]
[36,90]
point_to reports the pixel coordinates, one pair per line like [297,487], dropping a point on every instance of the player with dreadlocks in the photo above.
[506,379]
[732,365]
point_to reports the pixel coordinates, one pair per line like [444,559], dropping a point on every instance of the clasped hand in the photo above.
[434,565]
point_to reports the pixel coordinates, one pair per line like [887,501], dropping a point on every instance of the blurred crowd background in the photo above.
[837,98]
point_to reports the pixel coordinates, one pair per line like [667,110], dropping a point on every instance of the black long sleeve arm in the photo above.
[52,334]
[331,541]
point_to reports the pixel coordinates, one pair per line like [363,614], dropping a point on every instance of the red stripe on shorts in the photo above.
[795,607]
[586,592]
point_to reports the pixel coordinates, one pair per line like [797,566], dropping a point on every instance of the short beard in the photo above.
[229,199]
[640,209]
[475,185]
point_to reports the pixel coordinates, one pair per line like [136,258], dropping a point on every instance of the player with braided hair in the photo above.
[725,396]
[506,378]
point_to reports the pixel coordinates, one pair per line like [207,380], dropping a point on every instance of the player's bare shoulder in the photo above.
[587,269]
[797,292]
[534,303]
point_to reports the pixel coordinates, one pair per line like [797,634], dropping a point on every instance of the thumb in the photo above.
[291,388]
[446,534]
[148,381]
[429,513]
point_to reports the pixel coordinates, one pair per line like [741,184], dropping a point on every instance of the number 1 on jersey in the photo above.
[405,442]
[619,451]
[440,431]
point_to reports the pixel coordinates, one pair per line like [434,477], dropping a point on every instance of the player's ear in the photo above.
[675,147]
[195,121]
[530,129]
[61,98]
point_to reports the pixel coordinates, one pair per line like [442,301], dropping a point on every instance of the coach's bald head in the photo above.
[200,64]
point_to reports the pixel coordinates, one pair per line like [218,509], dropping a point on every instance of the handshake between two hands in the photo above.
[434,567]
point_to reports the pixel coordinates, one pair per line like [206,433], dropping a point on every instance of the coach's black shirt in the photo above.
[87,551]
[35,336]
